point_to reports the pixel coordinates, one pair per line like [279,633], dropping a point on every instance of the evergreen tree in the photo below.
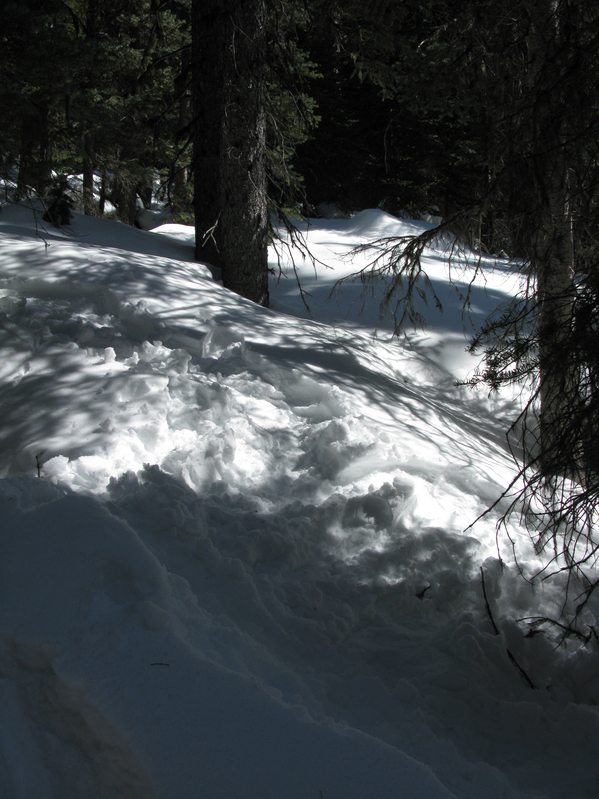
[229,55]
[34,69]
[521,81]
[550,185]
[91,86]
[124,112]
[59,208]
[381,141]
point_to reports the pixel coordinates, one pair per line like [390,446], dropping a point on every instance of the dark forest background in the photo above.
[361,110]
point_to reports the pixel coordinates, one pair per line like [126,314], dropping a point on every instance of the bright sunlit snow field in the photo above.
[234,550]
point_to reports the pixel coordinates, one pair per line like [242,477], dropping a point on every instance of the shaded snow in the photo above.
[244,572]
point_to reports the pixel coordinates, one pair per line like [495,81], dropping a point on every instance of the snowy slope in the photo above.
[242,571]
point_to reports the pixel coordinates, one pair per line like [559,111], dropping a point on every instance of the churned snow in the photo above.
[237,553]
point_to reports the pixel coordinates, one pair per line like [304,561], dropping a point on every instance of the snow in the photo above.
[238,550]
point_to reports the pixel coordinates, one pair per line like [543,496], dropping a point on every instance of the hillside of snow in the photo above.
[240,555]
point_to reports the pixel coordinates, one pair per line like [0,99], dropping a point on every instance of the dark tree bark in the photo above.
[229,40]
[89,206]
[180,192]
[103,192]
[551,46]
[124,195]
[35,164]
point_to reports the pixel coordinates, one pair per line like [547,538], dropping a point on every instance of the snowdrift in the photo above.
[234,559]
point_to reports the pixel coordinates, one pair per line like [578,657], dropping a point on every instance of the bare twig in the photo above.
[38,462]
[523,674]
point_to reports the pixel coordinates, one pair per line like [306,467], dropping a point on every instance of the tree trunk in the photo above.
[559,378]
[103,192]
[179,190]
[35,158]
[46,154]
[124,195]
[89,206]
[229,142]
[27,173]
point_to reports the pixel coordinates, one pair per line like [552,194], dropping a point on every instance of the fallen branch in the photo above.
[523,674]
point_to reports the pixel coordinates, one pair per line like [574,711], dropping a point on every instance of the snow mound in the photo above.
[238,550]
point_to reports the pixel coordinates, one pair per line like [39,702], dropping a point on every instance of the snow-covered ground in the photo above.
[233,559]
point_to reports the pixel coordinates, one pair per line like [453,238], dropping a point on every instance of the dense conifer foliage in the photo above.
[90,88]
